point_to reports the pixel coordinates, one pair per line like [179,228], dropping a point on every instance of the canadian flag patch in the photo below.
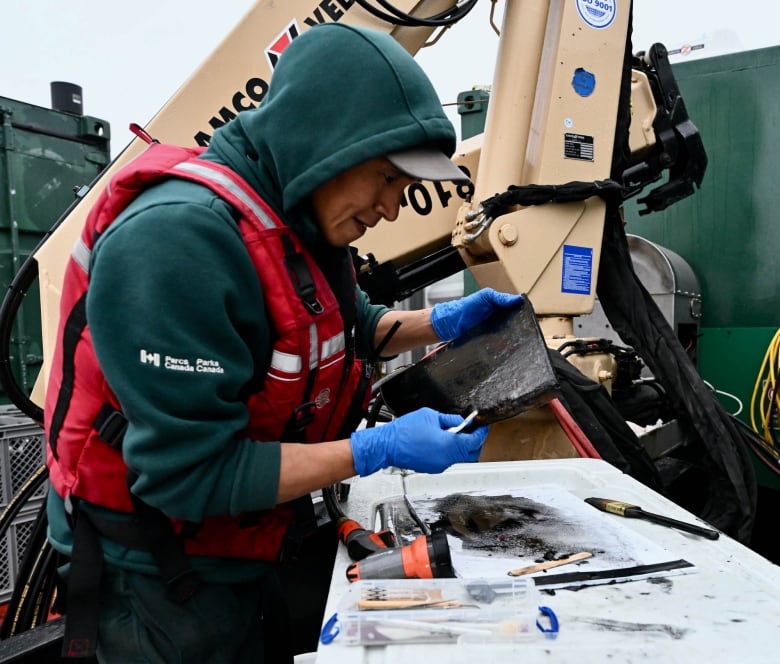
[282,41]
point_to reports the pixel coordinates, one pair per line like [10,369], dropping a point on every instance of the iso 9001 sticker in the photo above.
[597,13]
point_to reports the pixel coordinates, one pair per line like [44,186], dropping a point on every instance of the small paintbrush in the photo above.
[636,512]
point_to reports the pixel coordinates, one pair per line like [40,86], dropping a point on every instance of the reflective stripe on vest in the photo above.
[82,254]
[201,170]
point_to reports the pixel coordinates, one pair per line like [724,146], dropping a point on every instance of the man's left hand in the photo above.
[451,319]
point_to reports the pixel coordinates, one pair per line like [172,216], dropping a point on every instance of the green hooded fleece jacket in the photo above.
[172,276]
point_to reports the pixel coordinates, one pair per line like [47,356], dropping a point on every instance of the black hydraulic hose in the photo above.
[47,594]
[332,504]
[30,571]
[374,410]
[42,575]
[14,297]
[31,485]
[12,301]
[759,446]
[395,16]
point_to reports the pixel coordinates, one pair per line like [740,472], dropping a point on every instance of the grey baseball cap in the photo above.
[427,163]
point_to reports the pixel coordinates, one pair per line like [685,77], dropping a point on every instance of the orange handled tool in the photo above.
[361,542]
[426,557]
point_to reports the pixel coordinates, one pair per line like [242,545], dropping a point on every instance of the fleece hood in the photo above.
[339,96]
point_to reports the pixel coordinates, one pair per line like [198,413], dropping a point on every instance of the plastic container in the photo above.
[384,612]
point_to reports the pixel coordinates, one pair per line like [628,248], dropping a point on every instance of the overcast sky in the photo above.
[129,57]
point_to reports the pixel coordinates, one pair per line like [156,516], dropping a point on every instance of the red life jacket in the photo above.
[305,394]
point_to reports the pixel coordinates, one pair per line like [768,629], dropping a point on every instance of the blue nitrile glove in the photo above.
[416,441]
[451,319]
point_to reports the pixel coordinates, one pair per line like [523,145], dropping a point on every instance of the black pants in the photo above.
[219,624]
[305,583]
[270,621]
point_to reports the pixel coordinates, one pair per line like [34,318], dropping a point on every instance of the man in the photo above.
[225,318]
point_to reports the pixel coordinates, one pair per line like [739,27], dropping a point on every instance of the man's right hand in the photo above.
[416,441]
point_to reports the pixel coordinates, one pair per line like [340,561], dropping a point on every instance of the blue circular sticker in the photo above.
[583,82]
[597,13]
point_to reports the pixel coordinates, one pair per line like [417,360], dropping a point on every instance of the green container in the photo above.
[728,230]
[45,155]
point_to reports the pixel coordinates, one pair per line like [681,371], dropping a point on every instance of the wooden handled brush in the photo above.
[636,512]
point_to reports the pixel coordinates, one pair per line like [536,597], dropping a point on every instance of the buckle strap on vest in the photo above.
[110,425]
[300,275]
[302,417]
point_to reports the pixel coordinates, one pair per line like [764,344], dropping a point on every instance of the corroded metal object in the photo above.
[500,368]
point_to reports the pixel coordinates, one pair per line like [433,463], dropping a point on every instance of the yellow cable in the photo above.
[769,388]
[765,398]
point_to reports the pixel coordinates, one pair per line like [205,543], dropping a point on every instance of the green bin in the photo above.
[45,156]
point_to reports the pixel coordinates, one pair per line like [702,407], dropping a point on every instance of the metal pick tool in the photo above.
[466,422]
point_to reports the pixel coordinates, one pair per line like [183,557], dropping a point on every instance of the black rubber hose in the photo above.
[28,576]
[13,617]
[31,485]
[397,17]
[32,612]
[12,301]
[331,503]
